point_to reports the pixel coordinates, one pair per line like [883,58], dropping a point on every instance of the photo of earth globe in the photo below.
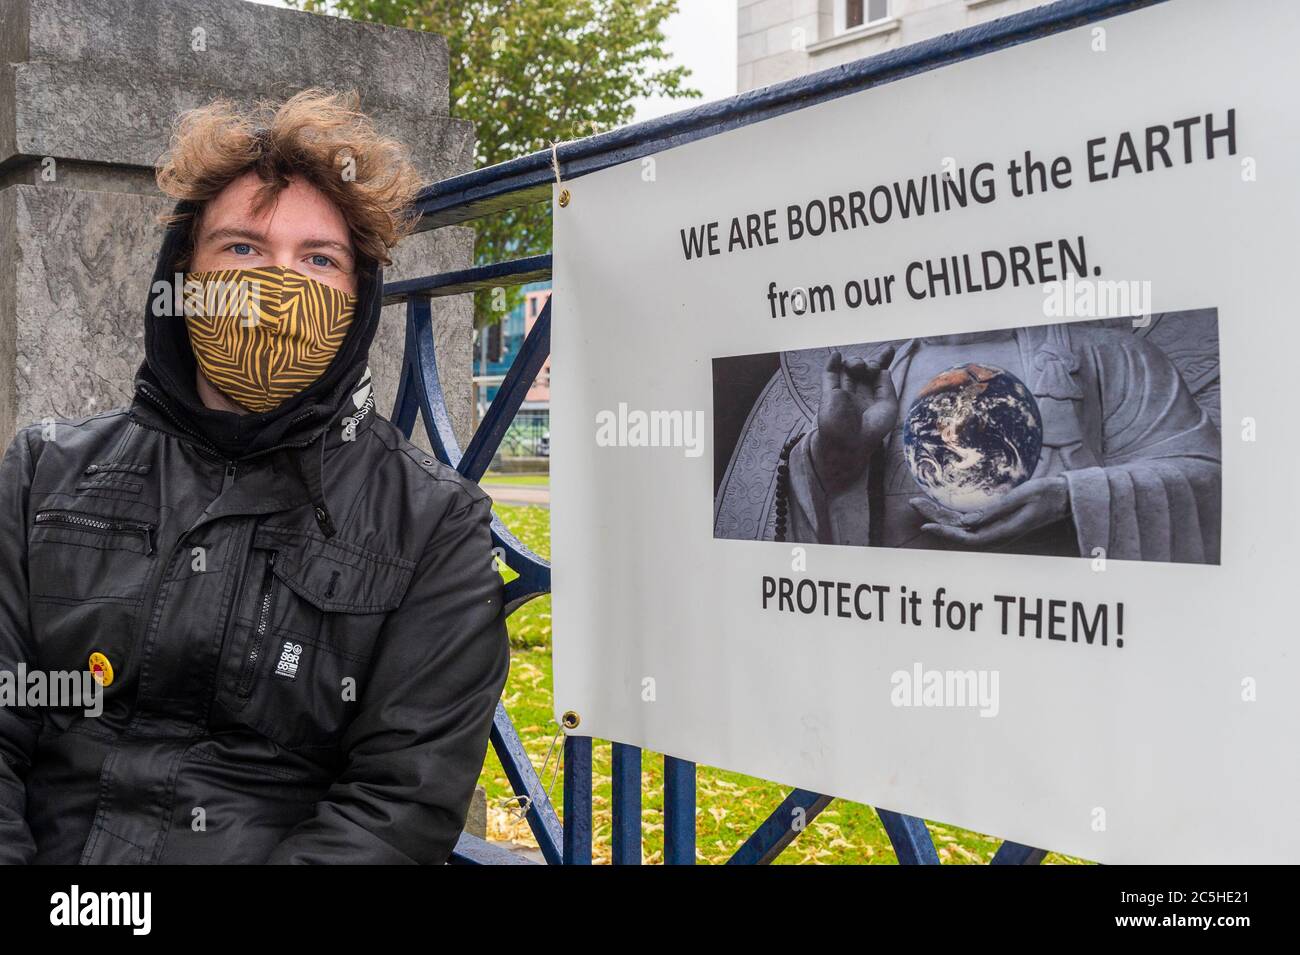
[972,435]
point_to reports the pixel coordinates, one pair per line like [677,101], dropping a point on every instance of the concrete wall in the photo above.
[88,92]
[781,39]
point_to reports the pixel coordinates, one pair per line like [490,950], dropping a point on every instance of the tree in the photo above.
[528,73]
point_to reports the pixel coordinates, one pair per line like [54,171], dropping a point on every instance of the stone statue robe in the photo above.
[1140,455]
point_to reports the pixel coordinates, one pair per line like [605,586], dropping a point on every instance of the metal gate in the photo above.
[531,179]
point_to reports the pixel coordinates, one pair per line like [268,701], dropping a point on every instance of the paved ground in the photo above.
[519,494]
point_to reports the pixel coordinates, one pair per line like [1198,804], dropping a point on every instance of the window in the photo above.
[859,13]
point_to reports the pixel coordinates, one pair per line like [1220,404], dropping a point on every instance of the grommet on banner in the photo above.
[570,720]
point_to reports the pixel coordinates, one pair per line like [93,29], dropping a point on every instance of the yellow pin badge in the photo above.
[101,669]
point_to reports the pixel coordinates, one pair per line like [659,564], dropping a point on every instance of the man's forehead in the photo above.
[298,212]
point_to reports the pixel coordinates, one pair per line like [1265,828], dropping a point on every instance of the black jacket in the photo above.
[300,608]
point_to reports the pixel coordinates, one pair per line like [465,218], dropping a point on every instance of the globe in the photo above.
[973,433]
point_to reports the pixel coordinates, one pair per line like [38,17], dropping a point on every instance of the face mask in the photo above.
[263,335]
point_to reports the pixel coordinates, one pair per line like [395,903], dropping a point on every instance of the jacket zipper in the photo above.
[100,525]
[260,629]
[229,477]
[162,406]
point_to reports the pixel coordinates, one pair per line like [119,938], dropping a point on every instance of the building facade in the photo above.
[495,349]
[781,39]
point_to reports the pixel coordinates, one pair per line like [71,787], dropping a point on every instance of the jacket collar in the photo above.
[306,448]
[155,409]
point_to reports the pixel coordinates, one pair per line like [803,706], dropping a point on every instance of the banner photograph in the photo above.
[1073,440]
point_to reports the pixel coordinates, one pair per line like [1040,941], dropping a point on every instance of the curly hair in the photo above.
[318,136]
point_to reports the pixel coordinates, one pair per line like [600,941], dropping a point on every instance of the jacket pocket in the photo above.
[305,642]
[78,554]
[88,566]
[336,576]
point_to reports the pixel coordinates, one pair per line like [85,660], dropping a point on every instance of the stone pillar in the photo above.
[88,92]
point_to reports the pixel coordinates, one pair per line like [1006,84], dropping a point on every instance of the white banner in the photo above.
[928,447]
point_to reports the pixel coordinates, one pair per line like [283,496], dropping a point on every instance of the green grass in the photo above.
[518,480]
[729,806]
[530,625]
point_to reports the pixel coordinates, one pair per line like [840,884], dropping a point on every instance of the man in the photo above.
[293,613]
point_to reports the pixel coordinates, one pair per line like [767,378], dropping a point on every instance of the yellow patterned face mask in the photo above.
[263,335]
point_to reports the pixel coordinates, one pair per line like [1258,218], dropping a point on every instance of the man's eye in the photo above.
[321,261]
[242,248]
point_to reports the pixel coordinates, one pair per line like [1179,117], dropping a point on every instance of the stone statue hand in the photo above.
[859,407]
[1032,505]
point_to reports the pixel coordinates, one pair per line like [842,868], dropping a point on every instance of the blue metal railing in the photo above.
[528,180]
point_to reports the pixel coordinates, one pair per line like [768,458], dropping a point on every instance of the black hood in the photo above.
[166,379]
[169,365]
